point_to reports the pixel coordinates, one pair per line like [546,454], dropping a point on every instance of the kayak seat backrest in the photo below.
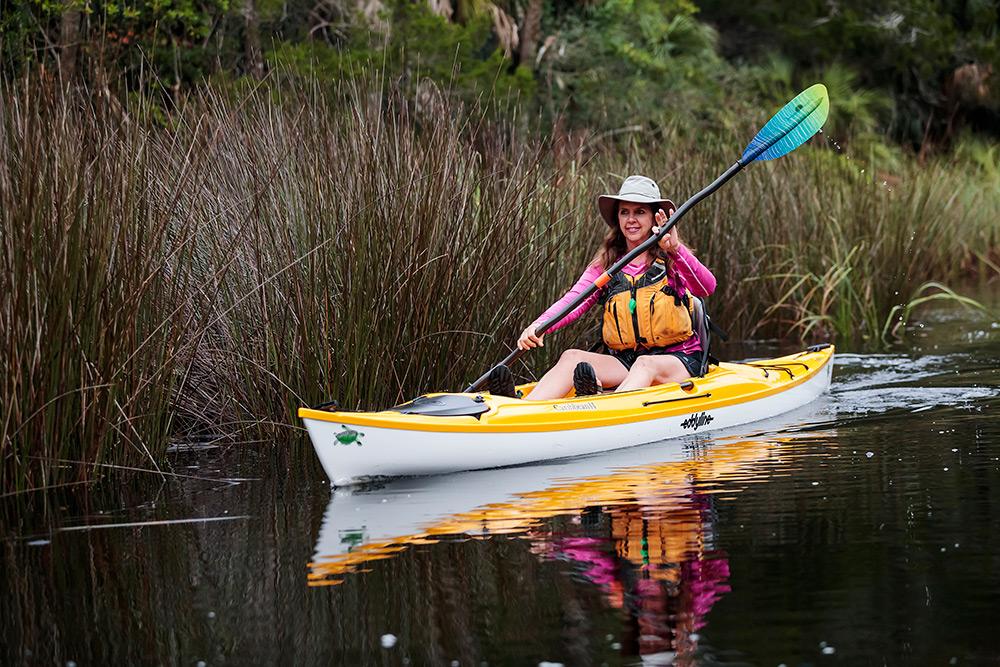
[703,327]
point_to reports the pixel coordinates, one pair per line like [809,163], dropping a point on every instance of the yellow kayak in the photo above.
[441,432]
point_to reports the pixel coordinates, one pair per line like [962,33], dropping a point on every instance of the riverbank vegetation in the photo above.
[196,240]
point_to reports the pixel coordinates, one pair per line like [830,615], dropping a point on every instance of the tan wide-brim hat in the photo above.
[635,189]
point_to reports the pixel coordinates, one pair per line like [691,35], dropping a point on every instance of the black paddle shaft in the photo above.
[616,267]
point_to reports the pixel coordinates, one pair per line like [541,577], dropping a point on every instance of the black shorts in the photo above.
[692,362]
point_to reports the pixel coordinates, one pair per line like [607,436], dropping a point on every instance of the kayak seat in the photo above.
[445,405]
[704,327]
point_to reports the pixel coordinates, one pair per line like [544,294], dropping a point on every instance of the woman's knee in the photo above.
[672,369]
[572,357]
[645,365]
[660,369]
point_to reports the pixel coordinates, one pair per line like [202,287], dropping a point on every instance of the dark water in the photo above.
[861,530]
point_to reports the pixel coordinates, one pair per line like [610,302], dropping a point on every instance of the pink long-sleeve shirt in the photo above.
[688,271]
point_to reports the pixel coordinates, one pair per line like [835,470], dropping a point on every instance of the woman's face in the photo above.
[635,221]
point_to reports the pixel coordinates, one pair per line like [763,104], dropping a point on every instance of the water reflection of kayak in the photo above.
[363,525]
[440,433]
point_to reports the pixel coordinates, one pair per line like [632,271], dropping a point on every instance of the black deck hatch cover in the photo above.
[445,405]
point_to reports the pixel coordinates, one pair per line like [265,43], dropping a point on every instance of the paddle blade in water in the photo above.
[791,127]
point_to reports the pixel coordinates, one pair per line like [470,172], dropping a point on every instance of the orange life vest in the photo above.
[645,311]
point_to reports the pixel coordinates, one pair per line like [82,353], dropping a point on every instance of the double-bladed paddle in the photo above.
[788,129]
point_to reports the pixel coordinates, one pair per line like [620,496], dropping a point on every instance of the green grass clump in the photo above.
[201,272]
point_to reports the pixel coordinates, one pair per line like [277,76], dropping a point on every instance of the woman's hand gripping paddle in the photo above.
[788,129]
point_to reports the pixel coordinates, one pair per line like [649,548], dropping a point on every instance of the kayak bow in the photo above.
[441,433]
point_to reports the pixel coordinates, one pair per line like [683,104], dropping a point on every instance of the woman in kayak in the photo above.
[647,329]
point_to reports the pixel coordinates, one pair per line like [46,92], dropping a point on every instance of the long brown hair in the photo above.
[613,247]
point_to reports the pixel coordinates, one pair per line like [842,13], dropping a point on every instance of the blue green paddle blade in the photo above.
[791,127]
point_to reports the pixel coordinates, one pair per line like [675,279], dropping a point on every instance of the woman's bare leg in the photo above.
[652,369]
[557,382]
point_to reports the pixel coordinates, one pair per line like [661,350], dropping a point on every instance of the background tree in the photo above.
[918,71]
[910,50]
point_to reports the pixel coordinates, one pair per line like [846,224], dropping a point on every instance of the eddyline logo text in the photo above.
[697,420]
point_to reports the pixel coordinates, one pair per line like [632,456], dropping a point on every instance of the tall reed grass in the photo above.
[203,275]
[92,321]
